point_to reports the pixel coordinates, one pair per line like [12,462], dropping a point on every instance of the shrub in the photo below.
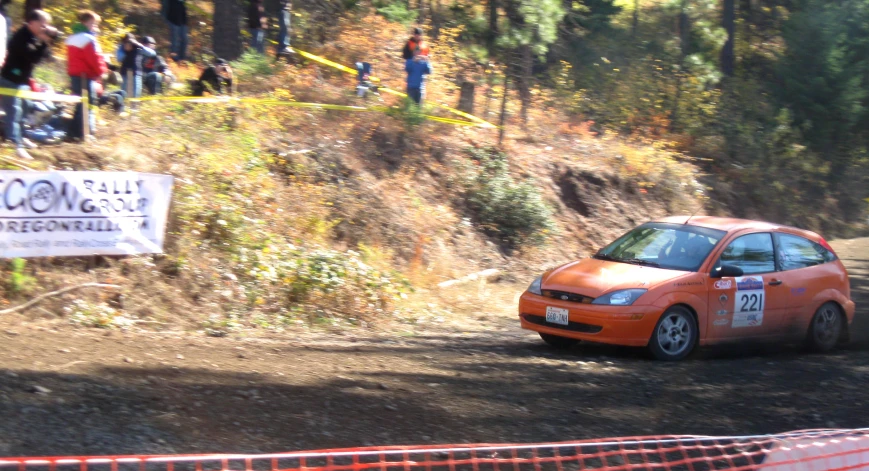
[19,282]
[283,277]
[85,314]
[512,211]
[409,113]
[395,11]
[252,63]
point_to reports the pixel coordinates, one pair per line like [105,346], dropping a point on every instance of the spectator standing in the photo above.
[175,13]
[415,43]
[417,68]
[285,29]
[155,70]
[256,23]
[27,47]
[131,54]
[85,58]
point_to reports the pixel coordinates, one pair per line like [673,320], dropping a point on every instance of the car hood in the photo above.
[592,277]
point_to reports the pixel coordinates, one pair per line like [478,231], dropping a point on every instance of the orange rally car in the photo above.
[672,284]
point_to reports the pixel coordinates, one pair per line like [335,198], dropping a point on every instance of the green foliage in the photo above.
[85,314]
[512,211]
[19,282]
[409,113]
[395,10]
[253,64]
[285,276]
[532,23]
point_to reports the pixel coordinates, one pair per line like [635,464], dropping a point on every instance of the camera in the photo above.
[52,33]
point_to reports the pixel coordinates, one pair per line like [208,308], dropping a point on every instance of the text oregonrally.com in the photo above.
[111,205]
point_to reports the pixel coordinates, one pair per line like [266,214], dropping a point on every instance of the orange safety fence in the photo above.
[813,450]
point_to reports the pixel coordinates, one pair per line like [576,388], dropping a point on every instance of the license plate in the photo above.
[556,315]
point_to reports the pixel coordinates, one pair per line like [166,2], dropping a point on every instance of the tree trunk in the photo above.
[227,34]
[493,25]
[684,38]
[636,20]
[466,97]
[523,84]
[502,122]
[29,5]
[728,21]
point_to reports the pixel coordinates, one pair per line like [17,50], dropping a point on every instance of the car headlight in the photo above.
[535,287]
[624,297]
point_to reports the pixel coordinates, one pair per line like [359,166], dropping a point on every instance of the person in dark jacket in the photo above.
[417,68]
[284,25]
[413,44]
[155,70]
[27,47]
[131,53]
[175,13]
[213,79]
[256,23]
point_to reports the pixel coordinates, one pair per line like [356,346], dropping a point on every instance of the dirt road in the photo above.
[71,391]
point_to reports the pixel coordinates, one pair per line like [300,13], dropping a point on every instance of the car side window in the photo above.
[796,252]
[753,253]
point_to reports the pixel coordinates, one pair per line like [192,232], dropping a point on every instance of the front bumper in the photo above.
[619,325]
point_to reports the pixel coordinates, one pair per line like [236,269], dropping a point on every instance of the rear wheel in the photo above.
[675,335]
[826,328]
[557,341]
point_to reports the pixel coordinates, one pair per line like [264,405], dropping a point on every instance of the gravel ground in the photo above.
[66,391]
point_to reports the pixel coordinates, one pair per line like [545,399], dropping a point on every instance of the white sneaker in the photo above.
[28,143]
[23,154]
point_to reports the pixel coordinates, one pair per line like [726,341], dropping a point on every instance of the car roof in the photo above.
[735,224]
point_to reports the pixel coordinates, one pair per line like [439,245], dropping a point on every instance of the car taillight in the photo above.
[825,245]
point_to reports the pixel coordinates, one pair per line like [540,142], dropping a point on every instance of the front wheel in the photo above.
[675,335]
[557,341]
[826,328]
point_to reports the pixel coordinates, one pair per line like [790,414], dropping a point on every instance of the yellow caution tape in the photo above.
[481,122]
[295,104]
[31,95]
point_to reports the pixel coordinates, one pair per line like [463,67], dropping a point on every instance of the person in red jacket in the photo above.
[85,65]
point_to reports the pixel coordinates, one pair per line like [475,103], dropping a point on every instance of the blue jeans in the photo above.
[178,41]
[76,128]
[136,88]
[284,29]
[14,108]
[258,40]
[415,94]
[153,82]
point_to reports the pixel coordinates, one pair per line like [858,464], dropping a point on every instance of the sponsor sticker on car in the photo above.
[724,284]
[749,302]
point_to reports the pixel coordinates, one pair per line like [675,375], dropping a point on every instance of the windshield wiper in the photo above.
[609,258]
[639,261]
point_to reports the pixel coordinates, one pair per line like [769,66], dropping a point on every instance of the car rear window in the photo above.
[797,252]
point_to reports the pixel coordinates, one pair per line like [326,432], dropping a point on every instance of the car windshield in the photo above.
[670,246]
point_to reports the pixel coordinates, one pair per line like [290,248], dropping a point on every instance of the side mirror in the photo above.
[726,271]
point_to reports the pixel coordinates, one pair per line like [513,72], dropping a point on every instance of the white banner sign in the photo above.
[49,214]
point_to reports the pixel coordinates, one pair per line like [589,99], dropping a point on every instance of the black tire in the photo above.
[675,335]
[557,341]
[825,331]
